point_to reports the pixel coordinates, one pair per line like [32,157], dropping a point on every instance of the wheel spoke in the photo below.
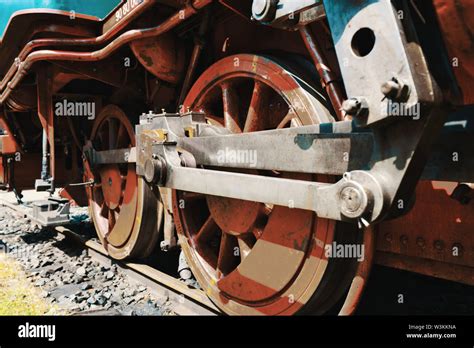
[207,230]
[210,116]
[258,108]
[112,134]
[193,196]
[287,119]
[246,242]
[231,108]
[111,219]
[227,260]
[257,232]
[104,210]
[120,134]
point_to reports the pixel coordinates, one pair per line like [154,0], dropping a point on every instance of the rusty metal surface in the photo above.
[328,78]
[359,282]
[434,238]
[77,40]
[122,206]
[280,250]
[30,24]
[46,114]
[163,56]
[121,40]
[8,143]
[456,19]
[253,258]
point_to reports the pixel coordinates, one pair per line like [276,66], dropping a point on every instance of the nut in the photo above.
[155,171]
[395,89]
[355,106]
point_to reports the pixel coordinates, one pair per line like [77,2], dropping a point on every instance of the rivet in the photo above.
[404,239]
[420,242]
[439,245]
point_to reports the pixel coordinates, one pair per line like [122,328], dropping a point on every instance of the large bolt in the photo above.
[264,10]
[354,106]
[354,201]
[395,90]
[155,171]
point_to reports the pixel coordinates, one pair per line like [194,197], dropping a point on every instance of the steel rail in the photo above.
[165,282]
[187,301]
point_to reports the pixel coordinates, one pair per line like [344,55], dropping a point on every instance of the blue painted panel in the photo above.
[98,9]
[340,12]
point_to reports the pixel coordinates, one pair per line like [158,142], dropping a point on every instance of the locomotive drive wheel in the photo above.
[124,209]
[253,258]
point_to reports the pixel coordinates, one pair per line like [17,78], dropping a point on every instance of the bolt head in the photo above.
[264,10]
[259,6]
[354,106]
[353,201]
[154,171]
[391,89]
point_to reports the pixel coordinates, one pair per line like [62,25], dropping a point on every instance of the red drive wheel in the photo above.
[253,258]
[124,209]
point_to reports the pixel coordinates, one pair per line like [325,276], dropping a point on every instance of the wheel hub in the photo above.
[233,216]
[111,181]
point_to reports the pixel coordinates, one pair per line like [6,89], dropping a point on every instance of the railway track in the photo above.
[429,296]
[185,300]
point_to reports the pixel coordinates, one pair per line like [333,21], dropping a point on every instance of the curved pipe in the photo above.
[362,275]
[170,23]
[30,46]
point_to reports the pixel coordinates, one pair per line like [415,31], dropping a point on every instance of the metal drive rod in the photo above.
[303,153]
[283,192]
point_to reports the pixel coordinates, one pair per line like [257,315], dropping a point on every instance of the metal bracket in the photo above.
[53,212]
[378,61]
[287,13]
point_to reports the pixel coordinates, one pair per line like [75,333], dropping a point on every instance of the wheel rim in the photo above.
[119,196]
[253,258]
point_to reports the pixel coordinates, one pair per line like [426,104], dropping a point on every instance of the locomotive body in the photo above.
[285,146]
